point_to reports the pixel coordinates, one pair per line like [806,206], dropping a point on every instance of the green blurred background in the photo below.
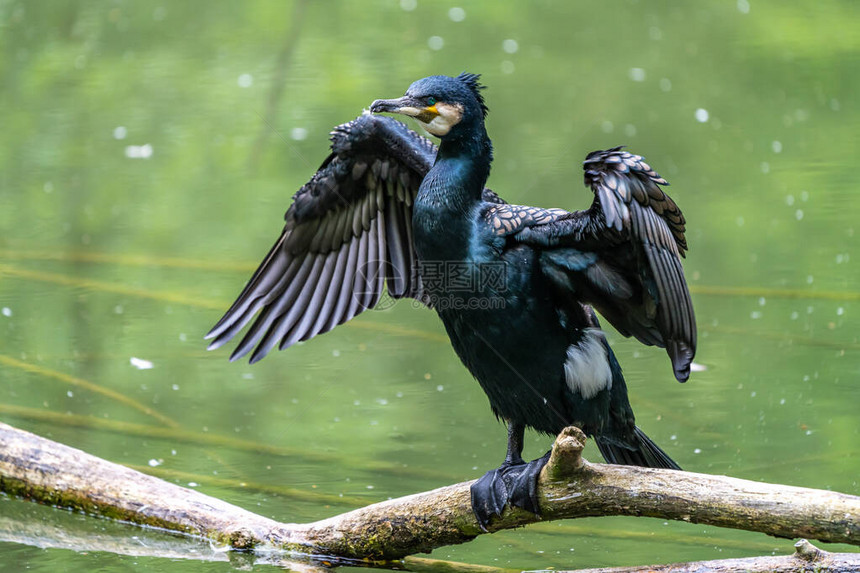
[148,151]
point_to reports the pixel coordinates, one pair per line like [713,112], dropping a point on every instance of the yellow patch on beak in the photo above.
[440,117]
[427,114]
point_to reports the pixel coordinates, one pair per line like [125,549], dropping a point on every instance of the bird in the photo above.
[517,288]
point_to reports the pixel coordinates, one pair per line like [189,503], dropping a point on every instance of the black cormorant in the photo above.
[515,286]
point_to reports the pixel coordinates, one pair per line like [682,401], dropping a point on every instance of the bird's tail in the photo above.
[640,452]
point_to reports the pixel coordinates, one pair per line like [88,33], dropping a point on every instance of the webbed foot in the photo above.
[511,483]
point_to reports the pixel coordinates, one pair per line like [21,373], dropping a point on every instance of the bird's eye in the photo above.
[431,101]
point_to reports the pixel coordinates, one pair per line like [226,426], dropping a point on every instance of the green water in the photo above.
[144,171]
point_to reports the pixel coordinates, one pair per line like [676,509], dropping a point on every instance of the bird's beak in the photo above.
[406,106]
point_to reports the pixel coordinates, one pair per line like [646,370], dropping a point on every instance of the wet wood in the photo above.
[55,474]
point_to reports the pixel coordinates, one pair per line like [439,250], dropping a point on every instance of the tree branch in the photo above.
[569,487]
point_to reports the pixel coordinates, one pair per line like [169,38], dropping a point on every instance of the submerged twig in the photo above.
[806,557]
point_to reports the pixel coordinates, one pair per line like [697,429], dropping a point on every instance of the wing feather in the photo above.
[347,293]
[345,229]
[360,285]
[371,265]
[398,258]
[316,312]
[272,310]
[636,233]
[287,322]
[333,293]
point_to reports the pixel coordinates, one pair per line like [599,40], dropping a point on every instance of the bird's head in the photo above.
[445,106]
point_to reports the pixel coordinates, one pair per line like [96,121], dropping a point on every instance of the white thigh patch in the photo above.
[586,369]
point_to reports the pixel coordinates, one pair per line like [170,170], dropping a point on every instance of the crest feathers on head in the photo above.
[471,81]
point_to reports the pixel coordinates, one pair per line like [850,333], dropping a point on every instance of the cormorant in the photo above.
[515,286]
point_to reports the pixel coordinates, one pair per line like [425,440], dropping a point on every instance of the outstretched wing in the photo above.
[348,229]
[347,233]
[622,255]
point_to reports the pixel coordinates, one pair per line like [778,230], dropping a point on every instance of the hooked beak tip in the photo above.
[379,106]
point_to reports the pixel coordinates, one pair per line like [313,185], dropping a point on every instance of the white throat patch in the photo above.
[449,116]
[586,369]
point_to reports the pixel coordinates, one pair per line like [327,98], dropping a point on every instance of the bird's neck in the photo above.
[456,181]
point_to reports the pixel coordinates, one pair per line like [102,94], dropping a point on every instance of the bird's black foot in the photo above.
[511,483]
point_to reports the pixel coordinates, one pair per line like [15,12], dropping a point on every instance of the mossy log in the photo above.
[569,487]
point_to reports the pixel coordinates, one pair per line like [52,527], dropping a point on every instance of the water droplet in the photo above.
[508,67]
[435,42]
[510,46]
[298,134]
[666,84]
[776,146]
[154,463]
[702,115]
[697,451]
[7,312]
[636,74]
[607,126]
[408,5]
[245,81]
[119,132]
[70,394]
[789,200]
[755,315]
[744,6]
[457,14]
[138,151]
[440,388]
[798,214]
[140,363]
